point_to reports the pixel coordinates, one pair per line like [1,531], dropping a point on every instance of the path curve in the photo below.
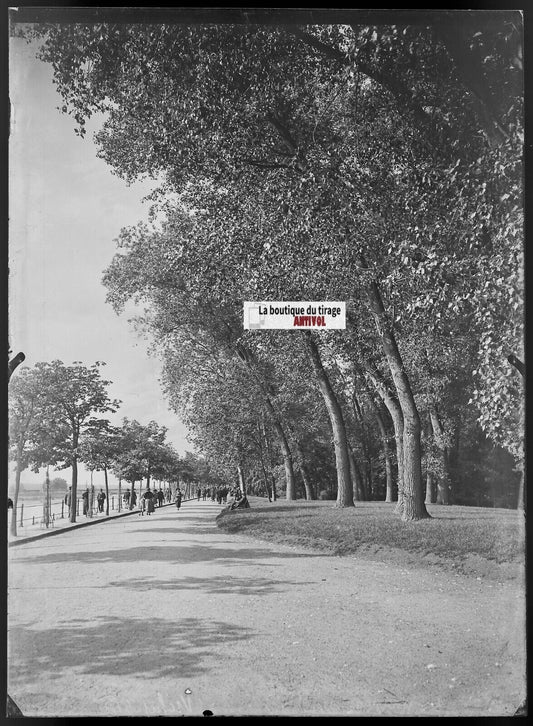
[168,615]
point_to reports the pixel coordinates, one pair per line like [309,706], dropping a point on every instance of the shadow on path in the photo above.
[152,648]
[194,529]
[213,585]
[164,553]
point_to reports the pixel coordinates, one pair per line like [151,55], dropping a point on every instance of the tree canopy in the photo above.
[379,164]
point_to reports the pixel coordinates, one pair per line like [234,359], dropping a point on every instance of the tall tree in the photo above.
[28,419]
[381,135]
[73,394]
[99,449]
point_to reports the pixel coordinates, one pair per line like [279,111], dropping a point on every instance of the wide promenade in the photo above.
[168,615]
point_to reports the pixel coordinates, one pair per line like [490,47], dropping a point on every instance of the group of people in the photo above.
[149,499]
[232,496]
[87,500]
[159,496]
[218,494]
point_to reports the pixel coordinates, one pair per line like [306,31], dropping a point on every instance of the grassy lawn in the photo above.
[455,536]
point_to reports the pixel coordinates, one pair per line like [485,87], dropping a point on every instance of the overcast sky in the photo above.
[66,209]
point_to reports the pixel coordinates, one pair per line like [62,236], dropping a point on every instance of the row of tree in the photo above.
[377,164]
[56,418]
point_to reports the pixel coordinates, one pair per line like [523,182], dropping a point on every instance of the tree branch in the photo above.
[514,361]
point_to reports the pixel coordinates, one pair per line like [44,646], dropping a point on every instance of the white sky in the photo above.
[66,209]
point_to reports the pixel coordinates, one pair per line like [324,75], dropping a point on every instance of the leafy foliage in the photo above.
[309,163]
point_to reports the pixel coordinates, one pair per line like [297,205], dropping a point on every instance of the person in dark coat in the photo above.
[178,498]
[85,498]
[148,497]
[101,499]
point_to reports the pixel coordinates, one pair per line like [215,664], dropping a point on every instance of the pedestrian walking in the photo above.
[85,498]
[160,497]
[100,498]
[148,500]
[198,493]
[178,499]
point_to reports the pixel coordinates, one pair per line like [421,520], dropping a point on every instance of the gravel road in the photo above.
[167,615]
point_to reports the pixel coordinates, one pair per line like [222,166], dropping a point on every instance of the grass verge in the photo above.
[471,540]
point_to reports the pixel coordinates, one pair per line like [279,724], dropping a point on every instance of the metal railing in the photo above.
[45,515]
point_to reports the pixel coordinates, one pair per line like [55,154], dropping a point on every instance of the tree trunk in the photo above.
[131,495]
[119,494]
[521,504]
[393,407]
[265,480]
[412,505]
[389,493]
[17,489]
[443,482]
[430,487]
[14,363]
[357,480]
[443,491]
[287,461]
[470,73]
[366,481]
[246,359]
[309,492]
[268,449]
[74,489]
[340,439]
[517,363]
[242,483]
[285,450]
[106,492]
[263,451]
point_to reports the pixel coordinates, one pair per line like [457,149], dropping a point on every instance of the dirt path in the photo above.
[167,615]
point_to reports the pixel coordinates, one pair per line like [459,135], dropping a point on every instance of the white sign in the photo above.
[294,315]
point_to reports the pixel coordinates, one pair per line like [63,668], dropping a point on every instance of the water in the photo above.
[31,510]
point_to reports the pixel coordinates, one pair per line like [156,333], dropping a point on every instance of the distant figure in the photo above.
[101,499]
[68,499]
[126,496]
[178,498]
[160,497]
[148,497]
[9,503]
[198,493]
[85,497]
[133,499]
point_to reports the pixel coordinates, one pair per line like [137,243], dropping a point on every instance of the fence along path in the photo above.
[32,516]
